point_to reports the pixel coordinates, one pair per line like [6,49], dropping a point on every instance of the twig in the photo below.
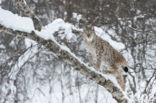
[139,30]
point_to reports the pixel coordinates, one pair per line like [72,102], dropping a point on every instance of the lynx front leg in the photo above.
[98,61]
[90,57]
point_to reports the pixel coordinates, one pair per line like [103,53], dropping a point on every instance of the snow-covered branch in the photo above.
[62,53]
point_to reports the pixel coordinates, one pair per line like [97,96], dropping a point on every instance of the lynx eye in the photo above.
[125,69]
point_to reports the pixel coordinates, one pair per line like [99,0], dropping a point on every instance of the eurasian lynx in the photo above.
[103,52]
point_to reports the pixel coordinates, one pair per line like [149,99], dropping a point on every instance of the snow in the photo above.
[48,31]
[29,42]
[10,20]
[23,58]
[43,95]
[77,16]
[2,46]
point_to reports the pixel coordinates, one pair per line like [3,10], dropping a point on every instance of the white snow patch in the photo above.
[51,28]
[10,20]
[77,16]
[29,42]
[2,46]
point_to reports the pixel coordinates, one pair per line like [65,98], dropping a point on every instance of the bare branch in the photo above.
[29,12]
[139,30]
[150,79]
[74,62]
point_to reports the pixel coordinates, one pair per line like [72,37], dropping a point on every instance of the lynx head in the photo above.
[89,33]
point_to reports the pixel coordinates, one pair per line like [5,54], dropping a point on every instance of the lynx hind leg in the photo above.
[118,76]
[121,82]
[91,61]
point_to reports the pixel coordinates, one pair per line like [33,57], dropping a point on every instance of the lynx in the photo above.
[103,52]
